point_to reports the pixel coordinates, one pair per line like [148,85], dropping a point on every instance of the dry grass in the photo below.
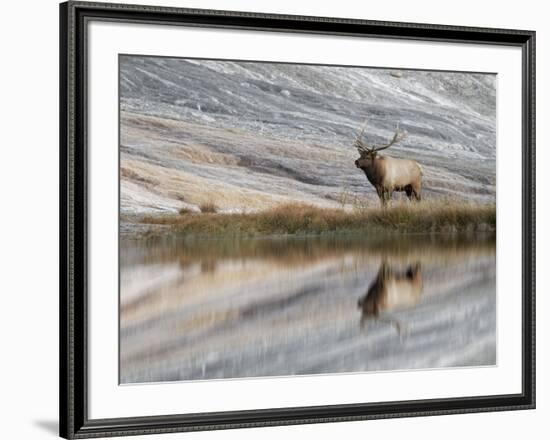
[300,219]
[184,211]
[208,208]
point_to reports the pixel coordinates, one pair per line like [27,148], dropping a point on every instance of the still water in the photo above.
[207,309]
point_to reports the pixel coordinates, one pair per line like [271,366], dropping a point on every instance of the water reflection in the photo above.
[391,290]
[281,306]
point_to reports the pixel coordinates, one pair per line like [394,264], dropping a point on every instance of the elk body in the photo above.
[390,291]
[389,174]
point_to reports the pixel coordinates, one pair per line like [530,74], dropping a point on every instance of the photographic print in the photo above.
[289,219]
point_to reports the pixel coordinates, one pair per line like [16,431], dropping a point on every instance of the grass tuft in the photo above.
[184,211]
[208,207]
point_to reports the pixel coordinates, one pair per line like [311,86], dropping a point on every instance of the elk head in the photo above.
[368,153]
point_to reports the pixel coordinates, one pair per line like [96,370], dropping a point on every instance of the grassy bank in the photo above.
[299,219]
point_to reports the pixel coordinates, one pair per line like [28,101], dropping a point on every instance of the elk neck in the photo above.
[374,169]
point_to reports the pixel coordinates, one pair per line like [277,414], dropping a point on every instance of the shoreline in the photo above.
[296,221]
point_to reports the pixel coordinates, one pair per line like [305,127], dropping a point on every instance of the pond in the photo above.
[233,308]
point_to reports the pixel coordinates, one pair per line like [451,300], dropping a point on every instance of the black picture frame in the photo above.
[74,420]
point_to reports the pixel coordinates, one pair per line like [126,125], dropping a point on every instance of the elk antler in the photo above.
[361,146]
[396,138]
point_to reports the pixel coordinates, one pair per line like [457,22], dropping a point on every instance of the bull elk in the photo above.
[392,290]
[388,174]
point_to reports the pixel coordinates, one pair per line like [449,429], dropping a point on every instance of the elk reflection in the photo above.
[393,289]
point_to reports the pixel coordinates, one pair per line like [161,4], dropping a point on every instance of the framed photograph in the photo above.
[272,220]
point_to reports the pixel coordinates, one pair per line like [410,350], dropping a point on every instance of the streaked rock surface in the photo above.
[247,136]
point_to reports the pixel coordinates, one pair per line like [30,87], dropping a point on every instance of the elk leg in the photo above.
[409,192]
[380,191]
[416,192]
[384,196]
